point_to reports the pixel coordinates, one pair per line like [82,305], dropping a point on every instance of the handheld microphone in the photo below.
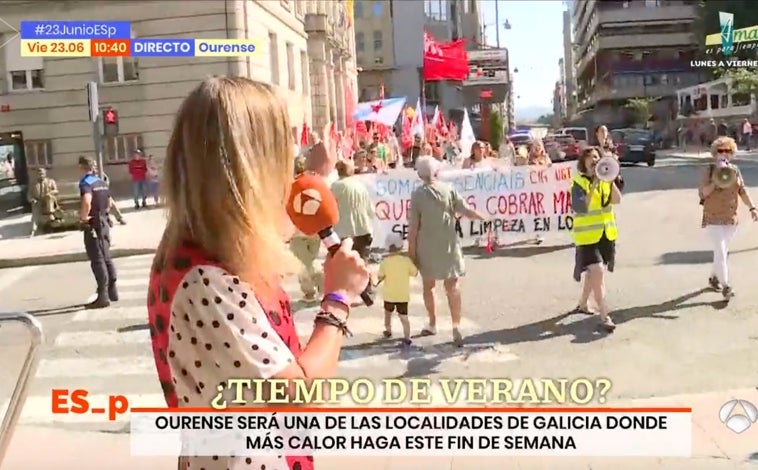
[313,210]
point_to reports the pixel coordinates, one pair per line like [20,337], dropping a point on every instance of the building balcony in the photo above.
[643,41]
[634,16]
[608,93]
[638,42]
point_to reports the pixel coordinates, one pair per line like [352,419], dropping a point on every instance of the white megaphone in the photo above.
[607,169]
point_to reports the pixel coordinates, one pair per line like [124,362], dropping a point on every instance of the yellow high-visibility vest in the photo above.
[589,227]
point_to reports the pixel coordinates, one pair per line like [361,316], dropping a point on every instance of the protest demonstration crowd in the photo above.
[386,182]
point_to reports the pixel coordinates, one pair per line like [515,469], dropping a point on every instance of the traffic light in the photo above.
[110,122]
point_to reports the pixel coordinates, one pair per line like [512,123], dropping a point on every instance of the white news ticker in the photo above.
[575,433]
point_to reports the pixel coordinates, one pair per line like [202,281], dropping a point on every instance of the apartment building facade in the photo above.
[568,72]
[632,49]
[389,46]
[45,99]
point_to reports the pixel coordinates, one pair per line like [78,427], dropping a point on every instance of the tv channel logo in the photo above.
[726,20]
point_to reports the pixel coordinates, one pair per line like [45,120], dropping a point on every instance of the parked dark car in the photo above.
[634,145]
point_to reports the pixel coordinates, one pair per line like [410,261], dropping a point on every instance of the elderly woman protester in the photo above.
[433,243]
[215,305]
[594,233]
[720,204]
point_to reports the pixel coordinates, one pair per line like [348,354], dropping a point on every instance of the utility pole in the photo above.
[497,23]
[94,117]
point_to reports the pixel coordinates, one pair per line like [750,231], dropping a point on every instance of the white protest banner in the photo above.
[516,200]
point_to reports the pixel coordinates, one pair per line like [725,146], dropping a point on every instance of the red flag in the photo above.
[349,104]
[304,136]
[441,125]
[334,138]
[406,137]
[444,61]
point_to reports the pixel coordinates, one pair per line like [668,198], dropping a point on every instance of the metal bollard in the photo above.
[28,370]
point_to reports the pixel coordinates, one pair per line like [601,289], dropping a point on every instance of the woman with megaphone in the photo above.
[721,187]
[593,196]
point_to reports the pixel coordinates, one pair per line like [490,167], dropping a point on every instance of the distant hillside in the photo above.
[531,113]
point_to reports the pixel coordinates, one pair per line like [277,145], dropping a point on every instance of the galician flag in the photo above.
[381,111]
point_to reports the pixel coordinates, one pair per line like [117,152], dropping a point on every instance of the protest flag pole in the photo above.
[423,108]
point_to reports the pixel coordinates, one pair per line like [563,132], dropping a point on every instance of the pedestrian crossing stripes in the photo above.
[108,351]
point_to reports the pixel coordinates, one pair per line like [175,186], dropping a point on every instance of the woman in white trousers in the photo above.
[720,204]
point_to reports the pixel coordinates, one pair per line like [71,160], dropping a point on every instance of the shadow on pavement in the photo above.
[695,257]
[18,226]
[137,327]
[46,312]
[583,330]
[683,173]
[515,250]
[131,210]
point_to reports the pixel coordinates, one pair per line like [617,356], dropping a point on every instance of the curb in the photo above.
[69,257]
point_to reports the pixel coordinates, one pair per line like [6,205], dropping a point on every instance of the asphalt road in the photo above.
[673,337]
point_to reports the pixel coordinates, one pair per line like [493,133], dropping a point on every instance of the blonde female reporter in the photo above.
[215,306]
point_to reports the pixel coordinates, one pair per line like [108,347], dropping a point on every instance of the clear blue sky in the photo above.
[535,43]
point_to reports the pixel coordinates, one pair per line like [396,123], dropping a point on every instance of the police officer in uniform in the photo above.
[93,215]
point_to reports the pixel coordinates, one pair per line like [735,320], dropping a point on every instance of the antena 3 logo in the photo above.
[738,415]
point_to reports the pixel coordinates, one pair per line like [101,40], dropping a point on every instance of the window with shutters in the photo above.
[39,153]
[119,149]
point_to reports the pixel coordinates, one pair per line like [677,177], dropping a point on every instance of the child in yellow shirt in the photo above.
[395,273]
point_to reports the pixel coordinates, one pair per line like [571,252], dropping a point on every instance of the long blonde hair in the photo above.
[226,176]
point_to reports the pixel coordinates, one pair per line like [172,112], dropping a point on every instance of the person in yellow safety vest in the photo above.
[594,232]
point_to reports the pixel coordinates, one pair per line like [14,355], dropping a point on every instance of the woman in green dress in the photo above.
[433,243]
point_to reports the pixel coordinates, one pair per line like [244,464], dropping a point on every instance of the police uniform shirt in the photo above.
[92,184]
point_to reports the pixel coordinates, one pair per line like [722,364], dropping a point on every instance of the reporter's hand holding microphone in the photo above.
[313,210]
[345,272]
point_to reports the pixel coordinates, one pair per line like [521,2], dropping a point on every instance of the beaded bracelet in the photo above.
[328,318]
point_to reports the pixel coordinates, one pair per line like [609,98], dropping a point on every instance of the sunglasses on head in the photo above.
[723,151]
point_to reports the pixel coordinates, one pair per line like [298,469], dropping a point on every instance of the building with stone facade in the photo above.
[306,50]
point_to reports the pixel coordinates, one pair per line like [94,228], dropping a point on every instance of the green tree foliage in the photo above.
[744,80]
[496,130]
[545,119]
[639,109]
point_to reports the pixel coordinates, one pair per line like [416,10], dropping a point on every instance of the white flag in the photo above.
[436,117]
[467,136]
[417,126]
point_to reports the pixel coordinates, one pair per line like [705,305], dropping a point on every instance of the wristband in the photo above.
[337,299]
[328,318]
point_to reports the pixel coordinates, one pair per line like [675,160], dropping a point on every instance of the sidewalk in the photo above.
[713,447]
[703,153]
[140,235]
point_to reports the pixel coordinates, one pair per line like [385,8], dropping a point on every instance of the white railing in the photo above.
[723,90]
